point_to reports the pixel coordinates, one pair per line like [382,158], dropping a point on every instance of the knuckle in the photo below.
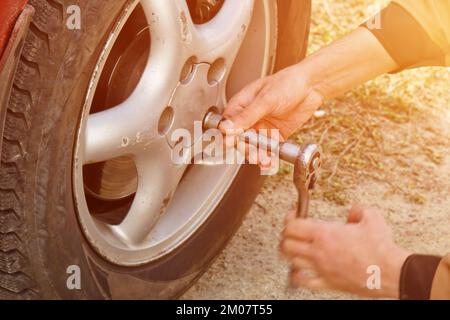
[322,236]
[266,98]
[282,246]
[294,280]
[320,257]
[290,216]
[285,247]
[315,255]
[291,229]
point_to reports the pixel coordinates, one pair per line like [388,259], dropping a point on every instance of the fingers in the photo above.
[247,107]
[250,115]
[300,278]
[257,144]
[293,248]
[297,246]
[356,213]
[290,217]
[243,98]
[302,264]
[227,127]
[302,229]
[360,213]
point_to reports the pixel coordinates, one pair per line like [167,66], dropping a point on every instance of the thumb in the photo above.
[239,103]
[356,213]
[248,116]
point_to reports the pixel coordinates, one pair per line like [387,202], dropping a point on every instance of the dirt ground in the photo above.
[387,145]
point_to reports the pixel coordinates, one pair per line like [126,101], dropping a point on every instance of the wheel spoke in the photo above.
[171,26]
[118,130]
[133,123]
[223,35]
[158,177]
[112,133]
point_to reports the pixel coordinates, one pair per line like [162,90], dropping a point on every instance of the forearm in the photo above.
[350,61]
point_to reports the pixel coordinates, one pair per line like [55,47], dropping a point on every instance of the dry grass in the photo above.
[388,130]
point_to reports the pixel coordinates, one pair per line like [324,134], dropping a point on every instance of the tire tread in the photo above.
[16,277]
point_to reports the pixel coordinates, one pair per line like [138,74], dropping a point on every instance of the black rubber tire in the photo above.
[39,233]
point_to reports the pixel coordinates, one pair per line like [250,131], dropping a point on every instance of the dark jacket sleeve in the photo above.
[404,38]
[425,277]
[416,277]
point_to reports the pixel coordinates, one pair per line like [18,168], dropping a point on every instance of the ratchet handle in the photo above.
[303,204]
[306,170]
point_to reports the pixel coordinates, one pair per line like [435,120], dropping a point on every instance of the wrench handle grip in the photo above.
[303,204]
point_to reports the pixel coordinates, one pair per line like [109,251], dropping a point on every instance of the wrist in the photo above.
[390,277]
[346,63]
[323,74]
[311,70]
[308,74]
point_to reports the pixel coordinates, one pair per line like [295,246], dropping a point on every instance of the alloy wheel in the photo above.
[163,66]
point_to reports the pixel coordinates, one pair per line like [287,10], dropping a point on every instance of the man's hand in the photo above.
[283,101]
[286,100]
[336,256]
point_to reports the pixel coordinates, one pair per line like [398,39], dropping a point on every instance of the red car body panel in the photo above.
[9,12]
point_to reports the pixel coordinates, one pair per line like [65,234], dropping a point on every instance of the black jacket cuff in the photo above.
[416,277]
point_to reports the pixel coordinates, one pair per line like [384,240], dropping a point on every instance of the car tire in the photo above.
[41,243]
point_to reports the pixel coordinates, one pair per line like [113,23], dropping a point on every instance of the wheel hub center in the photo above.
[192,99]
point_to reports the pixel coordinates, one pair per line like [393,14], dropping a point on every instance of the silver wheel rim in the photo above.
[171,202]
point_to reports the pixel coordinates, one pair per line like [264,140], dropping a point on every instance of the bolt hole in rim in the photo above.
[165,121]
[216,71]
[106,191]
[187,69]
